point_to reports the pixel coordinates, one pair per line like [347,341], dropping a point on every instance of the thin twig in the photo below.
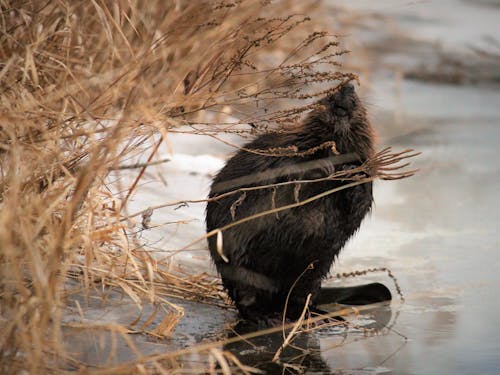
[294,330]
[141,173]
[139,165]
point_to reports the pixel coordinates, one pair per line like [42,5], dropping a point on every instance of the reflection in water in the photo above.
[306,352]
[303,354]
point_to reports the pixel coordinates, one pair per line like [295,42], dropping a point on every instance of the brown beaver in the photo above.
[284,256]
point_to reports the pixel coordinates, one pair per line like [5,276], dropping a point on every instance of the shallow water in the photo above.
[438,231]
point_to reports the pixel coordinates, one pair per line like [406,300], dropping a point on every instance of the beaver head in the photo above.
[343,116]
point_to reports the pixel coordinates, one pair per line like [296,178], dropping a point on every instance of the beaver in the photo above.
[271,263]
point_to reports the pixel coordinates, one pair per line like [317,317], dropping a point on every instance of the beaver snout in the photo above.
[343,101]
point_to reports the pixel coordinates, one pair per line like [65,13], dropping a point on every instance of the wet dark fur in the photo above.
[269,254]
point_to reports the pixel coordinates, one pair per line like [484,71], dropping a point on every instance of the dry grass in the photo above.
[86,85]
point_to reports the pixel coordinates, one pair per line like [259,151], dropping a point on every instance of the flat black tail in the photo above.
[354,295]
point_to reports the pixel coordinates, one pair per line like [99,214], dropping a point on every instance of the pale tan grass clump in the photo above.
[85,85]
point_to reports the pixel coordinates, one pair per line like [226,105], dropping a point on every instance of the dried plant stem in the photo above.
[141,173]
[278,209]
[294,330]
[340,175]
[139,165]
[371,270]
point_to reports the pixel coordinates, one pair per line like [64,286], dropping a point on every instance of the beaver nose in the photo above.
[347,89]
[342,100]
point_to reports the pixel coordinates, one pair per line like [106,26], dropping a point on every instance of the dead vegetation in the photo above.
[87,85]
